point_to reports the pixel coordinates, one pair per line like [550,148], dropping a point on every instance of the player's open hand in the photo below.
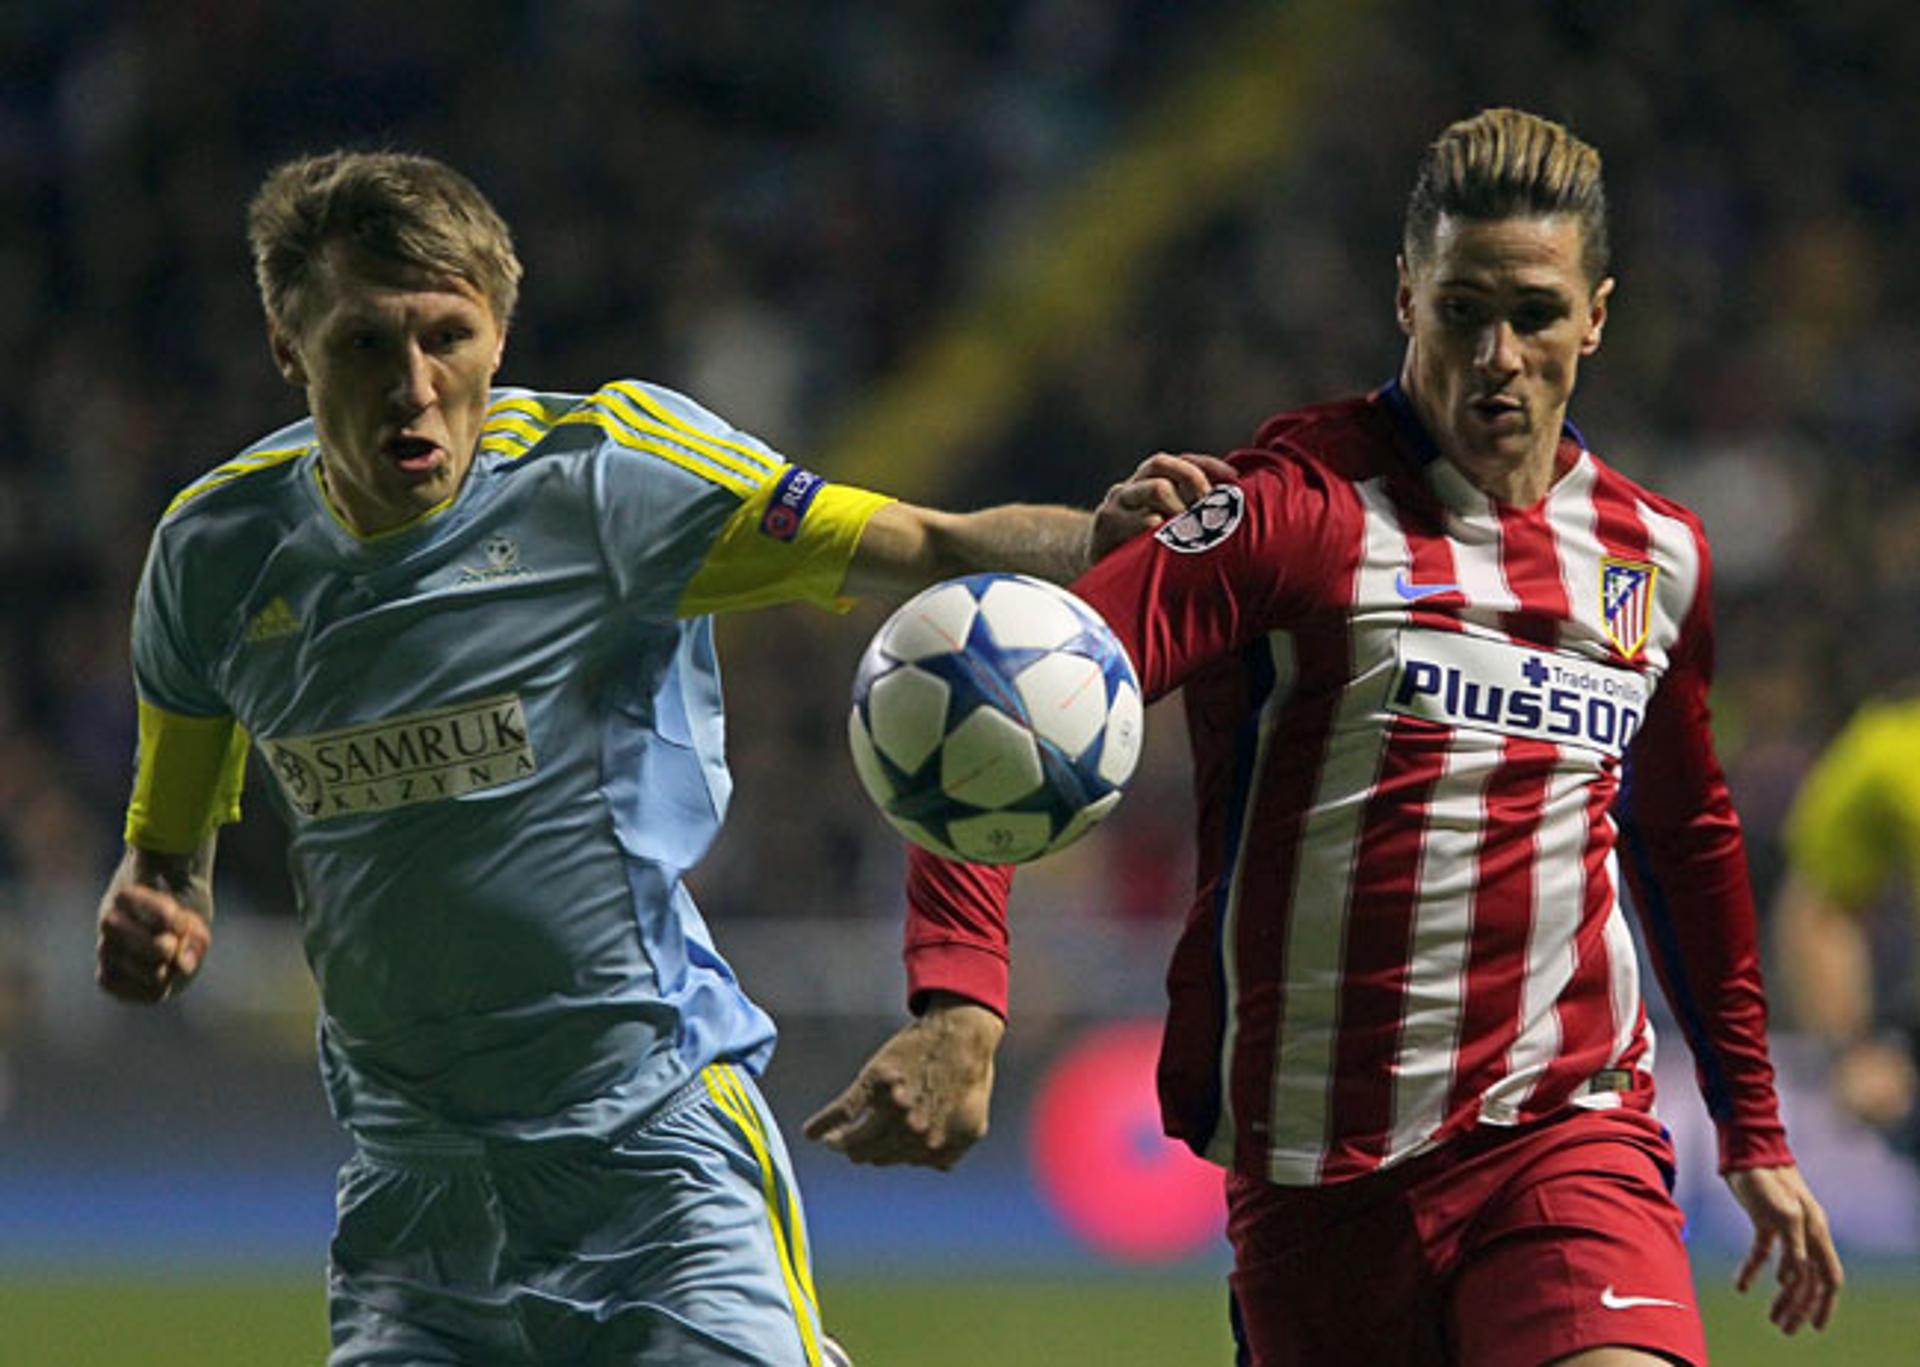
[150,943]
[1160,487]
[1785,1214]
[923,1096]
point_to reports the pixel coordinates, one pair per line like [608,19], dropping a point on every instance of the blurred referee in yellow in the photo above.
[1855,823]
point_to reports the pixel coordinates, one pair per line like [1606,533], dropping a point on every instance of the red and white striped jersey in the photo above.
[1428,731]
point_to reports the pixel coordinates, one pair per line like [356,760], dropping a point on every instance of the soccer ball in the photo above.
[995,718]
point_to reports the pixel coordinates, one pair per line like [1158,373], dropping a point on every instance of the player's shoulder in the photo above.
[648,427]
[1342,438]
[260,481]
[1618,485]
[1323,448]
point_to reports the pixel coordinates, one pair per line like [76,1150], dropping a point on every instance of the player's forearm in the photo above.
[1046,541]
[1826,966]
[956,931]
[904,548]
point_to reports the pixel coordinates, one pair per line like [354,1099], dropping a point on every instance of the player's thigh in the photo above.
[1583,1251]
[687,1245]
[412,1274]
[1324,1276]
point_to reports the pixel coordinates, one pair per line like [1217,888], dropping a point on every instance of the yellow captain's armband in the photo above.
[792,538]
[188,781]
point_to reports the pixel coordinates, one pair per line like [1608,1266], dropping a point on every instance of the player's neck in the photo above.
[1517,479]
[1517,483]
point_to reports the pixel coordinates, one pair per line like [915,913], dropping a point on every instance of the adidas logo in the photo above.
[276,619]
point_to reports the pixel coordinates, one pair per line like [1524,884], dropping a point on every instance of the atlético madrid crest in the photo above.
[1626,602]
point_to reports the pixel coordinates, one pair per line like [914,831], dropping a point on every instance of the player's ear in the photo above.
[499,351]
[1596,317]
[286,356]
[1403,296]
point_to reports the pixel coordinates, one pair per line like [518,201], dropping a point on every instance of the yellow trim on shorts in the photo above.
[733,1099]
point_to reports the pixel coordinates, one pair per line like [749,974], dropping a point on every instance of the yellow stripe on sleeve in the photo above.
[687,460]
[188,782]
[732,1099]
[686,431]
[754,470]
[746,567]
[236,468]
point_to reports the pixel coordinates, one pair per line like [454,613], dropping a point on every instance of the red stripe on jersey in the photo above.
[1503,914]
[1222,712]
[1282,794]
[1530,562]
[1431,561]
[1618,524]
[1585,1006]
[1376,961]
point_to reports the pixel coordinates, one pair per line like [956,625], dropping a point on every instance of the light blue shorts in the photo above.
[683,1243]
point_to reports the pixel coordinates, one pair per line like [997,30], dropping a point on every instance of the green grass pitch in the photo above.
[1119,1322]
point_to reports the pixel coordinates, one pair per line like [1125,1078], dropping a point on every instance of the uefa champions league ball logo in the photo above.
[1207,523]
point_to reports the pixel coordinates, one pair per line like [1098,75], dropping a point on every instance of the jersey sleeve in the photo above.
[696,516]
[1686,862]
[1250,557]
[1841,835]
[1247,559]
[192,754]
[792,539]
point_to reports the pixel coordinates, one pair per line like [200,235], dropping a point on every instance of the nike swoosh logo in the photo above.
[1613,1302]
[1413,593]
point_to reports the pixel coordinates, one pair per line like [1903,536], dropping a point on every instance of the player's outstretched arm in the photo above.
[923,1096]
[1786,1216]
[155,923]
[906,547]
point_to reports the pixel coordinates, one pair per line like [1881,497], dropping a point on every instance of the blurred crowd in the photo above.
[768,205]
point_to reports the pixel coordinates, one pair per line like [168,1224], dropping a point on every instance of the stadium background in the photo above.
[964,253]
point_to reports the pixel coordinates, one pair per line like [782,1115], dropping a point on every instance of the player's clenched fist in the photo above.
[150,944]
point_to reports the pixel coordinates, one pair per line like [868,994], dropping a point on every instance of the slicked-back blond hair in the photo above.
[1507,163]
[409,210]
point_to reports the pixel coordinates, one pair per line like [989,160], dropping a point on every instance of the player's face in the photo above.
[397,365]
[1497,319]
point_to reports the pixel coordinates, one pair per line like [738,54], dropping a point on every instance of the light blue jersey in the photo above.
[497,740]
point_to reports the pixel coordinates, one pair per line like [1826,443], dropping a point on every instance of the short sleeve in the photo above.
[696,516]
[192,753]
[169,671]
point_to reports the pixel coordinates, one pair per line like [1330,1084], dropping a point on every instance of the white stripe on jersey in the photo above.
[1220,1145]
[1559,896]
[1576,545]
[1329,843]
[1669,540]
[1437,976]
[1435,1001]
[1475,541]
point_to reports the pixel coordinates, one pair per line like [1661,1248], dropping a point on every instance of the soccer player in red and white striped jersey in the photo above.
[1446,681]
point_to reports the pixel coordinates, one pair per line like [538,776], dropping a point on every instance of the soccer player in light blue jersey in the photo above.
[469,629]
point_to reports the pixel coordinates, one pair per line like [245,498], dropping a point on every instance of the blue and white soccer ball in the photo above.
[995,718]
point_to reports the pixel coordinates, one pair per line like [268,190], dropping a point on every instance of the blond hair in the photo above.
[1507,163]
[409,210]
